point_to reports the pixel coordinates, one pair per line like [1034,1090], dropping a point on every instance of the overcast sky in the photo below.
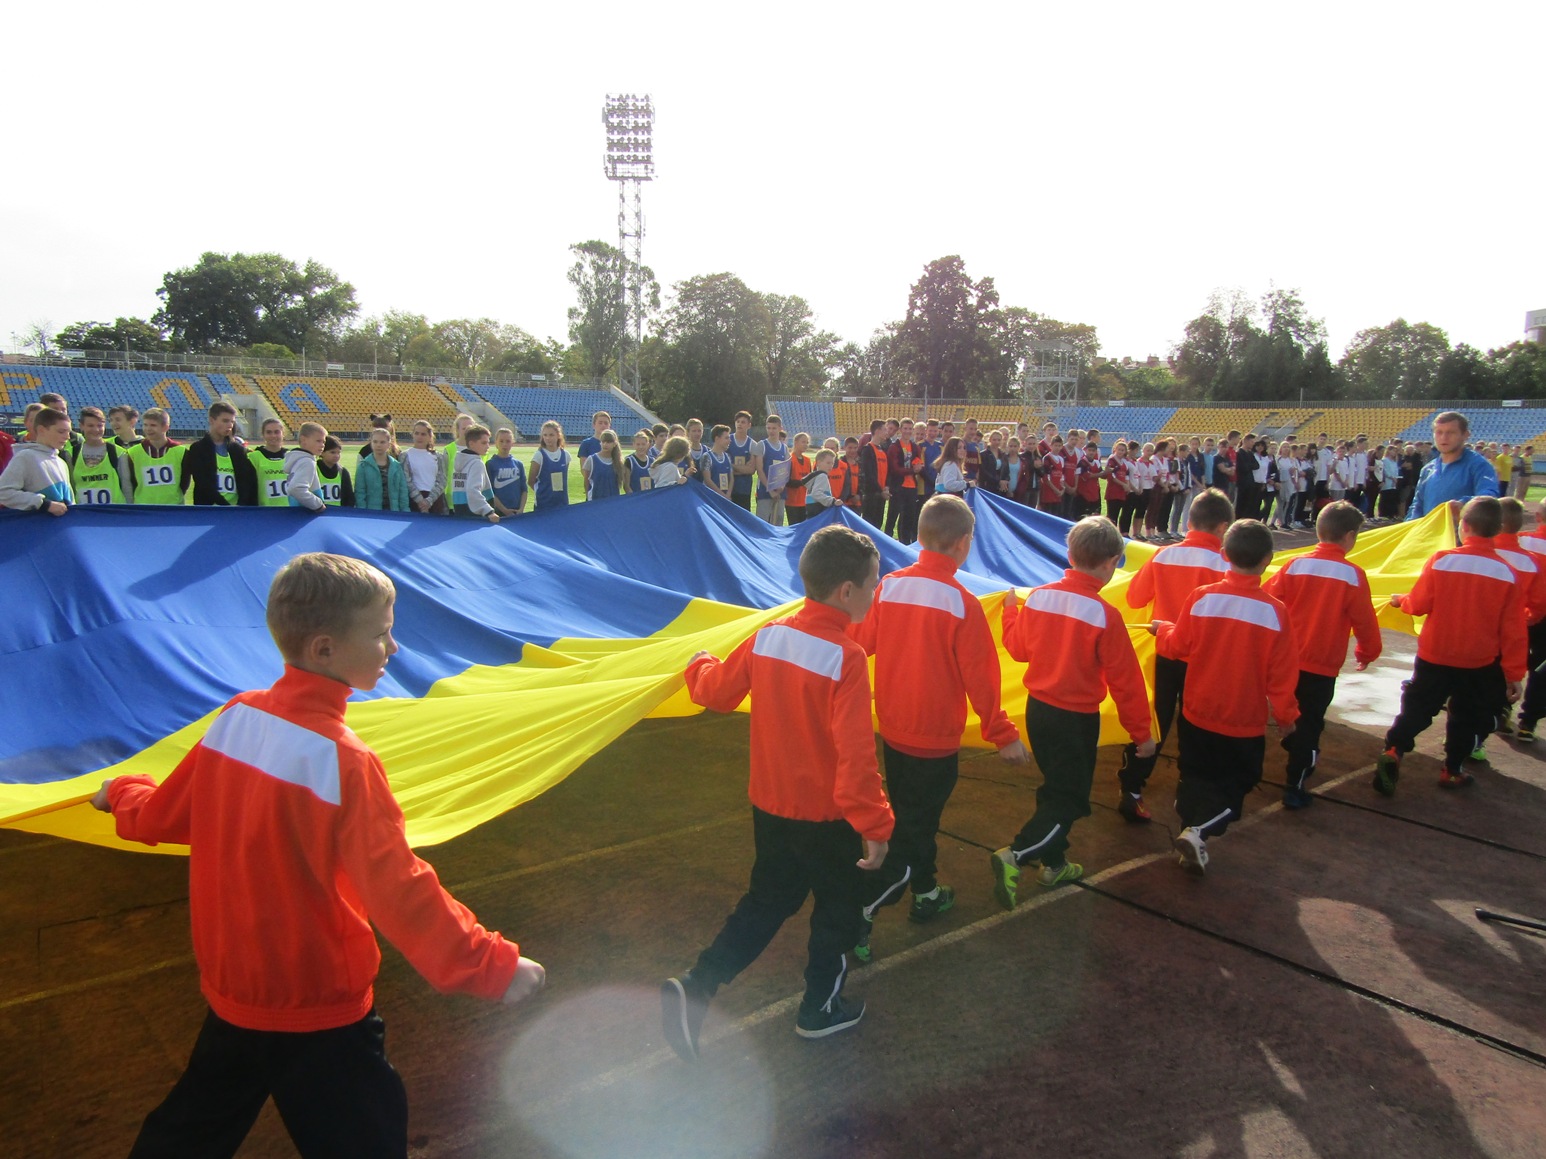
[1104,163]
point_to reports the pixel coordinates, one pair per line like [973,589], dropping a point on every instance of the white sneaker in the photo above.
[1192,851]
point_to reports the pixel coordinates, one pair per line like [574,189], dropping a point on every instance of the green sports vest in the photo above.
[97,484]
[271,479]
[330,490]
[155,480]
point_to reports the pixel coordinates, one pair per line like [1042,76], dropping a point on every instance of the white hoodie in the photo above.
[35,477]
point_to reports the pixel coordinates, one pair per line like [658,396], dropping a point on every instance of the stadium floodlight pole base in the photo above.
[1487,915]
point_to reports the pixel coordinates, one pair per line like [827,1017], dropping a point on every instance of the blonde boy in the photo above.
[297,848]
[1080,647]
[301,479]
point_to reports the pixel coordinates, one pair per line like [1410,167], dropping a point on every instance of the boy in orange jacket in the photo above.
[296,848]
[1472,652]
[1165,581]
[1529,570]
[921,611]
[1327,595]
[1252,664]
[813,819]
[1080,647]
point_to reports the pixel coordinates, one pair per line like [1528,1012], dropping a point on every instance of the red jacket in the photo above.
[1116,471]
[1529,570]
[933,651]
[1051,478]
[1077,645]
[1475,610]
[1326,597]
[904,464]
[296,847]
[1089,479]
[1174,572]
[813,749]
[1244,636]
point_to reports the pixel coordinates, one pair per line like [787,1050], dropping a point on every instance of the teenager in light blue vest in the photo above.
[549,470]
[604,469]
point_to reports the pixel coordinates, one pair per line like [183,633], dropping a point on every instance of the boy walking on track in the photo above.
[1171,575]
[1530,572]
[933,651]
[1472,651]
[816,820]
[1077,646]
[1327,596]
[296,848]
[1252,663]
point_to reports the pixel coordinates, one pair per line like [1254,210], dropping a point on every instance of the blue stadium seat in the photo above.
[186,397]
[531,406]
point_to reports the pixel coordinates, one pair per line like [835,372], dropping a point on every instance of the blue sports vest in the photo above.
[603,479]
[551,486]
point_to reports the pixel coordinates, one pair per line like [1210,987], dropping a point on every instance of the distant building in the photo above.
[1535,326]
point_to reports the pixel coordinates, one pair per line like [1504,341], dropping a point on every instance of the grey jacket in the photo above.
[35,477]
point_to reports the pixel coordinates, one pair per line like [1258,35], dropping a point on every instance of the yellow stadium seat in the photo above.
[346,404]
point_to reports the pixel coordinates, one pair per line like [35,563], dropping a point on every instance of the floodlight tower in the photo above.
[630,124]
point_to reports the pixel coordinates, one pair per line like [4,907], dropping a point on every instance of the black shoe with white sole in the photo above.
[820,1021]
[683,1004]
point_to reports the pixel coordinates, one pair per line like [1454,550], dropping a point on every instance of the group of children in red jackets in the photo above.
[290,820]
[1233,655]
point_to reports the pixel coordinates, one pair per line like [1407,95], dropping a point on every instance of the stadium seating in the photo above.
[813,417]
[344,405]
[528,407]
[185,397]
[1516,425]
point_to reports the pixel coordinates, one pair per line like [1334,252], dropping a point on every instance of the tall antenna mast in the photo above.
[630,161]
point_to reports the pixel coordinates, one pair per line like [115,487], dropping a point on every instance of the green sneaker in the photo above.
[925,908]
[862,951]
[1387,771]
[1059,875]
[1479,753]
[1006,876]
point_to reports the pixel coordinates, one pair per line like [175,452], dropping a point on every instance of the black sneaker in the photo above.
[924,908]
[821,1021]
[1296,798]
[683,1004]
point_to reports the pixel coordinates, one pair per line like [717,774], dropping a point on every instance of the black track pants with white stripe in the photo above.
[1217,771]
[794,860]
[1063,744]
[1303,745]
[918,788]
[1473,695]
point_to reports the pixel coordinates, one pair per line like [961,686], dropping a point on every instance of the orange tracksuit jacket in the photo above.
[933,651]
[1326,597]
[1241,657]
[1076,644]
[1475,610]
[1529,570]
[296,847]
[813,747]
[1175,572]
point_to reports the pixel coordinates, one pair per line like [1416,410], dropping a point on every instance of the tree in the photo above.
[599,323]
[1398,361]
[795,357]
[948,340]
[123,334]
[1518,370]
[241,299]
[1464,373]
[36,338]
[1261,352]
[709,361]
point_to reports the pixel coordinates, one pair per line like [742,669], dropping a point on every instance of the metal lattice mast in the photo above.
[630,124]
[1051,379]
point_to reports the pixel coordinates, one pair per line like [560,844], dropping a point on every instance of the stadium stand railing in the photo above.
[185,397]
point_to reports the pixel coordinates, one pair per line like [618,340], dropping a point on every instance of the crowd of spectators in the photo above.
[885,476]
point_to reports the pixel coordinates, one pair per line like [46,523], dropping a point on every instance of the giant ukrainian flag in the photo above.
[526,647]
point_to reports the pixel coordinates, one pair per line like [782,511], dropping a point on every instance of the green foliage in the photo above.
[272,350]
[243,299]
[599,323]
[949,342]
[1518,370]
[1397,361]
[709,361]
[1258,352]
[123,334]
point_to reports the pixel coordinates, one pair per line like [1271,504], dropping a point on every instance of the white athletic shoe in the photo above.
[1192,851]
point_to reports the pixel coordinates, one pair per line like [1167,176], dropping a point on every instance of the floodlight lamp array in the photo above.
[630,122]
